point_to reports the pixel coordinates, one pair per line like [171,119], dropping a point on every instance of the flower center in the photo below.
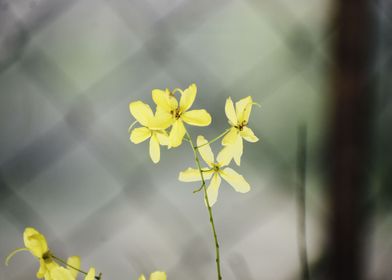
[176,113]
[241,125]
[215,167]
[47,257]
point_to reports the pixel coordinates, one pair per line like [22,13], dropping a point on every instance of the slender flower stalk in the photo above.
[203,185]
[301,201]
[215,139]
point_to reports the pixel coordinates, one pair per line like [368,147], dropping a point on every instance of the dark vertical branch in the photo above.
[350,135]
[301,201]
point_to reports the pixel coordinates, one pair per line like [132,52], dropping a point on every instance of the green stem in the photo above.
[301,201]
[198,189]
[201,187]
[195,151]
[216,138]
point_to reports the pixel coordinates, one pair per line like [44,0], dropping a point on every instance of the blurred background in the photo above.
[68,70]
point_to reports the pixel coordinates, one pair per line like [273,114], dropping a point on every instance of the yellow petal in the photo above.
[50,267]
[193,175]
[161,120]
[42,269]
[188,97]
[177,133]
[73,263]
[48,276]
[35,242]
[189,175]
[155,152]
[205,150]
[60,273]
[142,277]
[231,137]
[246,112]
[225,156]
[141,112]
[213,189]
[207,173]
[160,99]
[162,136]
[240,107]
[158,275]
[237,149]
[164,100]
[140,134]
[230,112]
[197,117]
[236,180]
[91,274]
[248,135]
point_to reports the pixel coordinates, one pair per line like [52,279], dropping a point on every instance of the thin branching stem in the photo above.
[198,189]
[203,186]
[215,139]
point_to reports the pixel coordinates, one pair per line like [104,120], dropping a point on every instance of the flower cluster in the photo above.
[49,268]
[169,113]
[167,126]
[174,114]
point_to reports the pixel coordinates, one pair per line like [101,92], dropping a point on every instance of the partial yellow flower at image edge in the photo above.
[157,275]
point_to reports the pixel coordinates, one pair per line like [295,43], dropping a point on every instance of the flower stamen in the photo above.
[47,257]
[176,113]
[241,125]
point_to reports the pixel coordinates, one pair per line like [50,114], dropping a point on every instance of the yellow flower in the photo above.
[36,243]
[157,275]
[151,129]
[238,119]
[215,171]
[169,112]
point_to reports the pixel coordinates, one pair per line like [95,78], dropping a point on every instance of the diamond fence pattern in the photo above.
[69,70]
